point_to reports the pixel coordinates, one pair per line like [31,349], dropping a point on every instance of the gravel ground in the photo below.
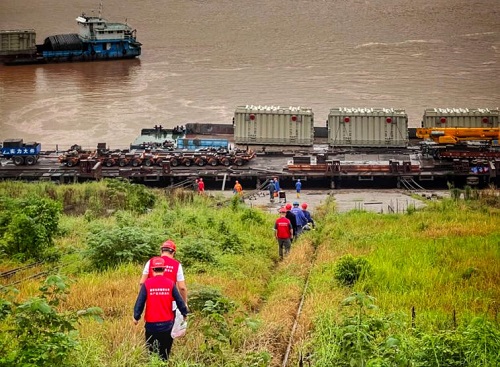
[380,201]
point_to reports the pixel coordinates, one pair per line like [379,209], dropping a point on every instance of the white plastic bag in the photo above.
[180,326]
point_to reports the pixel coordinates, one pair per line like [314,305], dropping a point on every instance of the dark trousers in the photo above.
[284,246]
[160,342]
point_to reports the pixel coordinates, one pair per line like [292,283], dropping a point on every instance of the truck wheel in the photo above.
[136,162]
[226,162]
[122,162]
[109,163]
[30,160]
[18,160]
[200,162]
[148,162]
[70,163]
[174,162]
[188,162]
[213,162]
[238,162]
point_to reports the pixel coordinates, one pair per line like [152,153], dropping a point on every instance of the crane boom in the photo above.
[458,135]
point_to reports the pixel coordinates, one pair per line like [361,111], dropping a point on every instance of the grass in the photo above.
[441,261]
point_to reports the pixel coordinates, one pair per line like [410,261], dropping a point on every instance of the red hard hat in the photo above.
[288,206]
[157,262]
[304,205]
[169,244]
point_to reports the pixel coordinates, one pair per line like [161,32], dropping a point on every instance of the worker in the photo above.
[238,189]
[283,232]
[298,187]
[201,186]
[195,184]
[307,214]
[157,294]
[299,215]
[173,269]
[272,188]
[277,185]
[291,217]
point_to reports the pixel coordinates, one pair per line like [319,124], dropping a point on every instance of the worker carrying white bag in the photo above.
[180,325]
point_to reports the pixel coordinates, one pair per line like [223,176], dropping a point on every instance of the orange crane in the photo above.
[457,135]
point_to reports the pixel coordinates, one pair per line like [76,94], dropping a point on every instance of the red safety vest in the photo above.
[172,266]
[159,297]
[283,227]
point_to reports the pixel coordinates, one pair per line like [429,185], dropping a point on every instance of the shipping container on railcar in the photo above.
[274,125]
[461,117]
[367,127]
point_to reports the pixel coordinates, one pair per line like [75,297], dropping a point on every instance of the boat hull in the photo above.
[89,52]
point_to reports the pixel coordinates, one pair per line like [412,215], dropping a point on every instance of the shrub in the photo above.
[349,269]
[254,216]
[138,198]
[27,226]
[232,244]
[199,297]
[197,251]
[34,333]
[111,247]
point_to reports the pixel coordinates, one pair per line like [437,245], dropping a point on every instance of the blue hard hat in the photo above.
[295,203]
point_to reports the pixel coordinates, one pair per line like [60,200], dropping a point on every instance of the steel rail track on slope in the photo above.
[299,311]
[56,269]
[10,273]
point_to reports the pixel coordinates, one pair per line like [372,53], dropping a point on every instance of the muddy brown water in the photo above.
[201,59]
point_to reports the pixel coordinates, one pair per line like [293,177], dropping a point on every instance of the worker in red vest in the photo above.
[201,186]
[283,231]
[157,294]
[173,269]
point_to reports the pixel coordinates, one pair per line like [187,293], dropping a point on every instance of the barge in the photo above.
[97,39]
[318,168]
[358,147]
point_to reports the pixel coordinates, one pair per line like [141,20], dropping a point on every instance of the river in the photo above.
[202,58]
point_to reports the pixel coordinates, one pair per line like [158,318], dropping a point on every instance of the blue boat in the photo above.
[97,39]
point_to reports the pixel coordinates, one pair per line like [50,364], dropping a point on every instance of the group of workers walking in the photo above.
[162,293]
[290,225]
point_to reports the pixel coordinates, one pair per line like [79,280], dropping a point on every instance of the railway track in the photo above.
[33,271]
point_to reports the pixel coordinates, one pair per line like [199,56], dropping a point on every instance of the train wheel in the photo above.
[213,161]
[238,162]
[122,162]
[200,162]
[174,162]
[18,160]
[226,161]
[30,160]
[188,162]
